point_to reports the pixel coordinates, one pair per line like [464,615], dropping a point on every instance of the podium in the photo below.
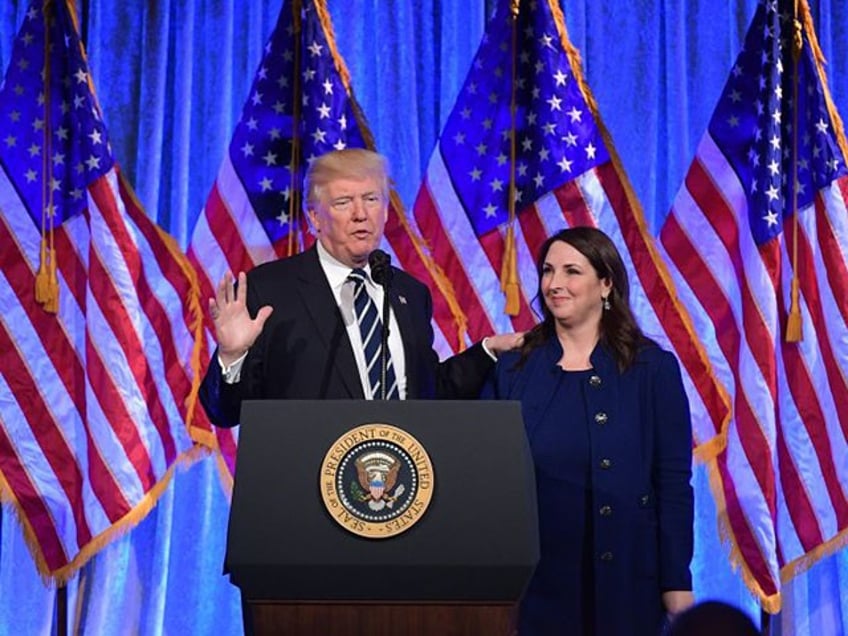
[459,567]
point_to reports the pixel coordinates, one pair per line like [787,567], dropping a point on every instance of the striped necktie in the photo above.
[371,330]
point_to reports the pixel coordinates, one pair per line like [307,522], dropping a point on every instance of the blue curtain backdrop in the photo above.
[171,76]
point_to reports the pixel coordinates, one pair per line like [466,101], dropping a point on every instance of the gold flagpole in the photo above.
[509,267]
[295,196]
[46,280]
[793,323]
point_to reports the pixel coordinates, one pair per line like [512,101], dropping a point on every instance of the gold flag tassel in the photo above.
[793,323]
[509,267]
[46,280]
[42,276]
[509,274]
[51,302]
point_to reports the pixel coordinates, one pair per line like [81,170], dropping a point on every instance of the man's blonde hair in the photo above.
[350,163]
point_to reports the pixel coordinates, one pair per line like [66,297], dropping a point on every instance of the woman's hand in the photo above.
[676,601]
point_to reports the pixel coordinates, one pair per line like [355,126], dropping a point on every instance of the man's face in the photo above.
[349,218]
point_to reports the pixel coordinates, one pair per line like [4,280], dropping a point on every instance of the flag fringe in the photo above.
[771,603]
[805,562]
[11,504]
[708,448]
[421,247]
[61,576]
[227,479]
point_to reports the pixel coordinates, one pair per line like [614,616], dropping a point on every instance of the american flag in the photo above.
[300,106]
[774,139]
[566,173]
[98,376]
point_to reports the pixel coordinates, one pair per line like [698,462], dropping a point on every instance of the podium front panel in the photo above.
[477,540]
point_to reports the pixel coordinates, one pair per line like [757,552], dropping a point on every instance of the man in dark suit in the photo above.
[291,327]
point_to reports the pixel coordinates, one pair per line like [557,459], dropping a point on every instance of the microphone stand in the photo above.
[384,342]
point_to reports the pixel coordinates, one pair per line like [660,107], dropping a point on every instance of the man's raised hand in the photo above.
[235,330]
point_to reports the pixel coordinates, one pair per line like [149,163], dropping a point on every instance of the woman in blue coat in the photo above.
[608,423]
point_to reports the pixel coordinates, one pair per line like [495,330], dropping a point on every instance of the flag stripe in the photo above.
[47,423]
[404,252]
[573,206]
[444,250]
[51,357]
[157,289]
[817,347]
[176,338]
[726,226]
[47,433]
[105,284]
[72,268]
[533,232]
[755,562]
[809,411]
[721,239]
[530,236]
[205,253]
[226,232]
[685,256]
[39,517]
[716,237]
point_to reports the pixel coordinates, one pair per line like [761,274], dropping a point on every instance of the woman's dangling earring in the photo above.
[607,305]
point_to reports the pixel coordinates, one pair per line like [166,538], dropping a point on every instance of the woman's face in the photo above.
[571,288]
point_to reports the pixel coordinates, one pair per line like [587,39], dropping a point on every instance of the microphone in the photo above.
[381,267]
[381,273]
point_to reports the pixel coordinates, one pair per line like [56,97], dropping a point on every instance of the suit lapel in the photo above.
[400,302]
[326,317]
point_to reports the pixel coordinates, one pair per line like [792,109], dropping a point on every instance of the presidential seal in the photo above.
[376,481]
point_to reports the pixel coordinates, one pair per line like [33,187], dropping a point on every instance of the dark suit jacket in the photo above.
[304,352]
